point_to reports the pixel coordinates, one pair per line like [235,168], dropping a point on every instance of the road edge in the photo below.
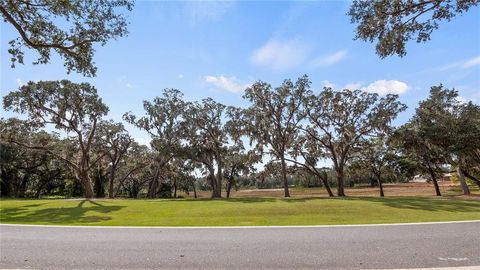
[239,227]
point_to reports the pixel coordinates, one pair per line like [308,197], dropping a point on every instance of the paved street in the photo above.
[364,247]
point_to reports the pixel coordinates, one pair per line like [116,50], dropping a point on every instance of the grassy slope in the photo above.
[241,212]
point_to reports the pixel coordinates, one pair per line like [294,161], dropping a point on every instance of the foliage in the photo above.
[70,107]
[274,117]
[69,28]
[392,23]
[342,121]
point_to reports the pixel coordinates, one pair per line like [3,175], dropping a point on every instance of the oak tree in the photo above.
[69,28]
[342,121]
[70,107]
[274,118]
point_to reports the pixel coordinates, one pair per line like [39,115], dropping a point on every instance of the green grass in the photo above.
[238,212]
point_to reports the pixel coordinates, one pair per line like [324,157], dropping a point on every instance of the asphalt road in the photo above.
[358,247]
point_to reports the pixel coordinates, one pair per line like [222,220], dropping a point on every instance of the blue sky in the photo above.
[215,49]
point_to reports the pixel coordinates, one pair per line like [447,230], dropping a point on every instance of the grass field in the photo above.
[239,211]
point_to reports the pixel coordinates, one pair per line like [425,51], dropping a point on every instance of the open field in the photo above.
[403,189]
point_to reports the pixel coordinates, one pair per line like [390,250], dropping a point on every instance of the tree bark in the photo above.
[87,185]
[434,180]
[39,190]
[194,191]
[461,178]
[284,177]
[229,187]
[340,182]
[327,186]
[110,183]
[175,188]
[152,189]
[213,182]
[219,179]
[380,185]
[476,180]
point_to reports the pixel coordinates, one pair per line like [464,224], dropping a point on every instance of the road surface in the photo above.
[356,247]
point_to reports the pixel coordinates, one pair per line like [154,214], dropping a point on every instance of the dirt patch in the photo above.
[404,189]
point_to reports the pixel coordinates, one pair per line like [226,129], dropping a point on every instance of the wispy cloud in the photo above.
[353,86]
[468,63]
[123,81]
[280,55]
[230,84]
[327,83]
[330,59]
[180,76]
[199,11]
[19,82]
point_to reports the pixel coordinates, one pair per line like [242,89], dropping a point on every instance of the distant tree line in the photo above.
[67,146]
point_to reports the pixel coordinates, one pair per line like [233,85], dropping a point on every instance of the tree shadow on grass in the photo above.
[427,204]
[59,215]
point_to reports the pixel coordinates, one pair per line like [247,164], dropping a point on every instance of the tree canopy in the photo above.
[69,28]
[391,24]
[70,107]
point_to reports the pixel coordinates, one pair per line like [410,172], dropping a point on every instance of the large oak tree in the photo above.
[274,117]
[72,108]
[341,121]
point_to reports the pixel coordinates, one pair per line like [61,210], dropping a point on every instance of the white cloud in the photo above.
[330,59]
[19,82]
[468,63]
[383,87]
[229,84]
[352,86]
[128,85]
[180,76]
[280,55]
[327,83]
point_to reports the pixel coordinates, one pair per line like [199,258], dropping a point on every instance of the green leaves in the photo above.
[84,23]
[67,105]
[393,23]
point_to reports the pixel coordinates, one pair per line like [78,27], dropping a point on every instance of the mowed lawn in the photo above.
[238,212]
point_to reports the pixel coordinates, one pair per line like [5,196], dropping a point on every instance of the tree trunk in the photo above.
[476,180]
[213,182]
[229,187]
[219,179]
[194,191]
[461,178]
[380,185]
[434,180]
[175,188]
[327,186]
[110,183]
[340,182]
[284,177]
[87,185]
[39,189]
[152,189]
